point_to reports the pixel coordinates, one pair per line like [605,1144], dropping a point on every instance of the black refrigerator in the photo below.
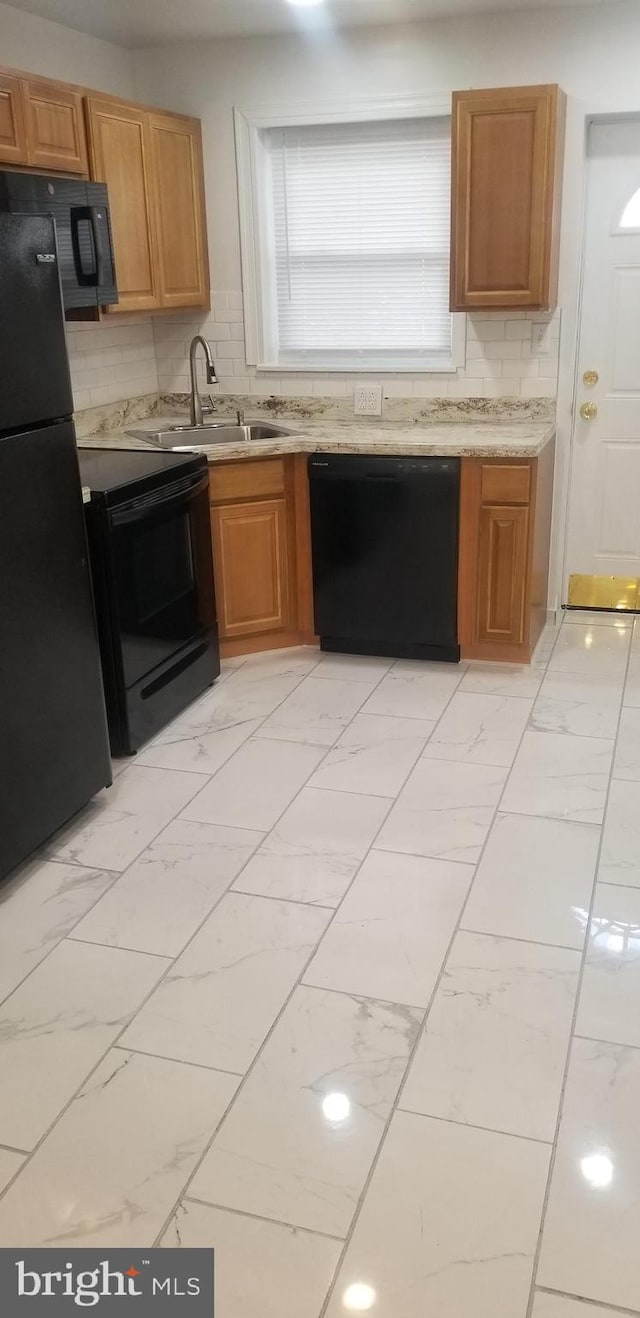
[54,750]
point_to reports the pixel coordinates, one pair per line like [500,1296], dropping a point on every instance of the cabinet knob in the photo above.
[588,411]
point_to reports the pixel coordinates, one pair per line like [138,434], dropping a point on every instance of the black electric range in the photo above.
[150,545]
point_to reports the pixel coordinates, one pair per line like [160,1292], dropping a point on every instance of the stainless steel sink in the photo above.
[192,438]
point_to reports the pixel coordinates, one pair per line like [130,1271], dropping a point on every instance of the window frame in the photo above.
[256,244]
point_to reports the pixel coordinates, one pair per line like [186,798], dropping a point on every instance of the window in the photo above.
[631,213]
[351,241]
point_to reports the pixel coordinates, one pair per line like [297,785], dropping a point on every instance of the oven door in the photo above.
[162,574]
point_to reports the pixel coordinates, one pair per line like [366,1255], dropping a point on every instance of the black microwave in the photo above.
[83,229]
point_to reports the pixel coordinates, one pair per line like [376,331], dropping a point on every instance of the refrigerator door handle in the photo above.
[92,215]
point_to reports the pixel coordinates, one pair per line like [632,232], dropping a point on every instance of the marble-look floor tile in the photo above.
[353,667]
[582,648]
[590,1237]
[620,855]
[445,810]
[626,764]
[186,748]
[415,690]
[502,680]
[479,729]
[598,618]
[374,755]
[535,881]
[38,907]
[294,660]
[159,902]
[449,1226]
[632,684]
[263,1269]
[223,994]
[316,848]
[561,776]
[57,1025]
[587,704]
[547,1305]
[611,985]
[255,786]
[317,711]
[10,1163]
[122,820]
[301,1136]
[112,1168]
[495,1044]
[390,936]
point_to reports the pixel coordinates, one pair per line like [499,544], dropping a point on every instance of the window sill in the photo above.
[361,368]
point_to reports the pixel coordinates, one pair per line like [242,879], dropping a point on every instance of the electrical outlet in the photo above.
[540,339]
[367,399]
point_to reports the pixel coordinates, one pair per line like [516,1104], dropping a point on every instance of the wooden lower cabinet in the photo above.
[505,531]
[252,563]
[502,574]
[261,553]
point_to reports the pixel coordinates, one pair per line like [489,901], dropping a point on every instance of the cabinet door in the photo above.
[120,157]
[178,200]
[56,131]
[502,574]
[13,129]
[251,567]
[505,197]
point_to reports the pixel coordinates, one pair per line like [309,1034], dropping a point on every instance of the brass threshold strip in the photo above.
[621,594]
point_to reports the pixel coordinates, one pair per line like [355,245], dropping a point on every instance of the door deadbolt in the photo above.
[591,377]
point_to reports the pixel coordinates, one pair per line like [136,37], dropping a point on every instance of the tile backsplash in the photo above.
[508,355]
[111,360]
[502,359]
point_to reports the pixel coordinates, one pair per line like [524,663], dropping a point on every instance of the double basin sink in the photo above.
[192,438]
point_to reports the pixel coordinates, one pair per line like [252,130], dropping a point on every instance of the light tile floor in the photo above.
[342,977]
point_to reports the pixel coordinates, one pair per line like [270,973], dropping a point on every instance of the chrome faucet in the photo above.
[196,401]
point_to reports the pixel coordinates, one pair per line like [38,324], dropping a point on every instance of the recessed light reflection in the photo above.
[336,1108]
[358,1298]
[305,4]
[597,1169]
[588,640]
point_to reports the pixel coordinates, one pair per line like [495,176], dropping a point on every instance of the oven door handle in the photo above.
[168,499]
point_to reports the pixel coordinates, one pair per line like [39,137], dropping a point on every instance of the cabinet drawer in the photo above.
[246,480]
[505,484]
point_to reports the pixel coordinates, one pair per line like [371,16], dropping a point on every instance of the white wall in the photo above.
[39,46]
[593,53]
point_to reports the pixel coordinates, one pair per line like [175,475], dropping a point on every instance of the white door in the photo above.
[604,502]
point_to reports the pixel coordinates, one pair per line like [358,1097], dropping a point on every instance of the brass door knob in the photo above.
[588,411]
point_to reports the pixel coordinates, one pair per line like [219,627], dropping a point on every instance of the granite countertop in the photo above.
[495,439]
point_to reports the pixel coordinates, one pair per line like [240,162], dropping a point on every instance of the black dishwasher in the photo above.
[385,554]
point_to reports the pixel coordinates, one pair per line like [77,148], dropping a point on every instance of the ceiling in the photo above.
[162,22]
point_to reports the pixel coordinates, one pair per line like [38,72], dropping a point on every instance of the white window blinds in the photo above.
[359,270]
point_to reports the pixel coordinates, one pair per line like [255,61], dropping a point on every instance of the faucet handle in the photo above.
[240,416]
[209,407]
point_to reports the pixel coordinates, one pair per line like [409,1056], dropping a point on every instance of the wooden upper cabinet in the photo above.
[507,148]
[120,157]
[55,127]
[13,127]
[178,203]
